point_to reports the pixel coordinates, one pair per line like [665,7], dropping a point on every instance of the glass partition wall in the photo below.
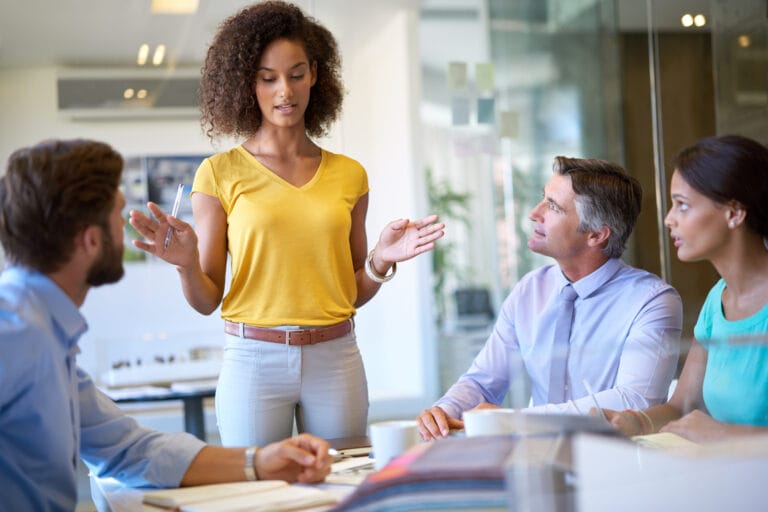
[509,85]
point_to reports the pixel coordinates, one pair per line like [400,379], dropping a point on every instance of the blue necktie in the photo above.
[561,345]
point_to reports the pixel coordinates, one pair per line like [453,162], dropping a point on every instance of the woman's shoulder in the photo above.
[227,157]
[229,164]
[715,294]
[339,160]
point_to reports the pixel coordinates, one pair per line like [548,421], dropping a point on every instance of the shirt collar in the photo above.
[587,285]
[64,313]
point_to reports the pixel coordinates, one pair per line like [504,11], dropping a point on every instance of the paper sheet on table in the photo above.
[664,441]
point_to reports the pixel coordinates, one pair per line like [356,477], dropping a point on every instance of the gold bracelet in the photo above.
[640,419]
[373,274]
[650,421]
[249,468]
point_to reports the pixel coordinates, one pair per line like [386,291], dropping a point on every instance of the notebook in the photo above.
[272,495]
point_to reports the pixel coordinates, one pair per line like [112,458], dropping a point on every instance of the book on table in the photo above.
[458,472]
[263,495]
[473,473]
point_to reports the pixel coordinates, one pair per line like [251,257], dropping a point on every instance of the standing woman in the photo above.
[719,213]
[292,218]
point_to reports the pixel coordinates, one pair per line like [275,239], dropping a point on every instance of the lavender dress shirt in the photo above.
[624,342]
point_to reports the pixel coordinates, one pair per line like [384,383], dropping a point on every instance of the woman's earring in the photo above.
[732,224]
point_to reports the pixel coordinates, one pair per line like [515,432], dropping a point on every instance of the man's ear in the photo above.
[90,239]
[600,237]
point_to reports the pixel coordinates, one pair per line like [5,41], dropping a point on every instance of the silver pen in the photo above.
[174,211]
[594,399]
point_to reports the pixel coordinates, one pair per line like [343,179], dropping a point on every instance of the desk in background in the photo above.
[191,396]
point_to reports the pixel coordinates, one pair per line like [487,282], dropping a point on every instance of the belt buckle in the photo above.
[288,334]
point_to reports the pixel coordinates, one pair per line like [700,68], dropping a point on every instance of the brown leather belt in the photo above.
[308,336]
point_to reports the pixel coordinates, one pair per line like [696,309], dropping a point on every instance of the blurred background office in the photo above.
[454,106]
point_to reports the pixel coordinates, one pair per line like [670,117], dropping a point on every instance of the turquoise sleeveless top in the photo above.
[736,379]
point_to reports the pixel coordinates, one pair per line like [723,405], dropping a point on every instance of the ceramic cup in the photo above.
[489,422]
[391,438]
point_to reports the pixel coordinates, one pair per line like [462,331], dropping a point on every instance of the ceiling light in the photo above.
[141,94]
[699,20]
[159,55]
[744,41]
[141,58]
[128,93]
[686,20]
[173,6]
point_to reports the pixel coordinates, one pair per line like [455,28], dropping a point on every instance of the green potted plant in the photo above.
[450,205]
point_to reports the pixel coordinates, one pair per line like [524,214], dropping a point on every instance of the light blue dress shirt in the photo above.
[51,413]
[624,342]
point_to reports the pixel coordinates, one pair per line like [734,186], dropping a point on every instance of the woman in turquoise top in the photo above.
[720,214]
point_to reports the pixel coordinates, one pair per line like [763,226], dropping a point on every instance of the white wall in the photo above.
[146,312]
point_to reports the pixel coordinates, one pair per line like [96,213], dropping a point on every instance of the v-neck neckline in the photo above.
[279,179]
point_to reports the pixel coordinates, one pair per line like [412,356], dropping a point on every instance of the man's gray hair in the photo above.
[605,196]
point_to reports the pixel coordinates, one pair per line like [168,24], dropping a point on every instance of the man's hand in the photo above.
[435,423]
[303,458]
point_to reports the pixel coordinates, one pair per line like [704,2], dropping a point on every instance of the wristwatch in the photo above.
[249,468]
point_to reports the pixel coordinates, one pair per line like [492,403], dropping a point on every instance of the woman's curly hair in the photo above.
[227,99]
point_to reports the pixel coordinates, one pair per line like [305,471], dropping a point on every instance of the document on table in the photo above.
[350,471]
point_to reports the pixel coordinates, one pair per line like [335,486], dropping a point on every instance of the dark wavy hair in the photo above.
[227,99]
[605,196]
[49,193]
[729,168]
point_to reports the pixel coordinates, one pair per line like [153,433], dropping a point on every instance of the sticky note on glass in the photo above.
[509,124]
[486,110]
[484,76]
[457,76]
[459,110]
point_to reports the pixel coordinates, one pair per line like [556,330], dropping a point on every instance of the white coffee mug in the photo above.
[391,438]
[489,422]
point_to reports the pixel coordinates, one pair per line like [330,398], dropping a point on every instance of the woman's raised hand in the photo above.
[403,239]
[181,249]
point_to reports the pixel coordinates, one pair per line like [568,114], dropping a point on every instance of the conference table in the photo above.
[565,472]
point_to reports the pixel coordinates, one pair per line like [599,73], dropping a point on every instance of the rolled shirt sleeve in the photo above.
[114,445]
[488,378]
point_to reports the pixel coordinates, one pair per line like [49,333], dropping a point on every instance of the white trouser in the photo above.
[262,385]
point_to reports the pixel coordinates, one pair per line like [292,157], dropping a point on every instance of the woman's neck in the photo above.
[745,272]
[280,143]
[744,264]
